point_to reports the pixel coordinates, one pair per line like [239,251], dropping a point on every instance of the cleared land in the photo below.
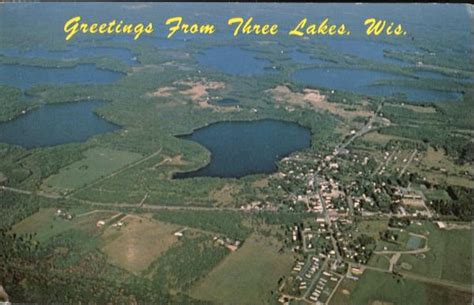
[46,224]
[372,227]
[416,108]
[449,258]
[375,288]
[313,98]
[97,163]
[437,167]
[138,243]
[380,138]
[247,276]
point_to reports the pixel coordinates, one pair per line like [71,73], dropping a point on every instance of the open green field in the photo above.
[372,227]
[379,261]
[342,296]
[449,258]
[45,224]
[246,276]
[379,288]
[136,245]
[97,163]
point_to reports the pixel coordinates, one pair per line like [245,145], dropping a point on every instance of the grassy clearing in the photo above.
[136,245]
[379,261]
[376,288]
[380,138]
[383,287]
[45,224]
[439,168]
[372,227]
[225,195]
[449,258]
[416,108]
[247,276]
[342,296]
[97,163]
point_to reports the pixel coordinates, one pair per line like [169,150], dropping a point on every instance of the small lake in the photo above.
[340,78]
[244,148]
[122,54]
[24,77]
[305,58]
[369,49]
[165,43]
[55,124]
[362,81]
[227,102]
[234,60]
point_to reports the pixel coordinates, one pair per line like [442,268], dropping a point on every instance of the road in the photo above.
[315,278]
[117,205]
[326,217]
[365,129]
[382,164]
[350,202]
[408,163]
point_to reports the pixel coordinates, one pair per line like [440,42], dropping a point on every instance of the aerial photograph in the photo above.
[236,153]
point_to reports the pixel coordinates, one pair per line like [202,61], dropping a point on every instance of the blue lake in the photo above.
[24,77]
[55,124]
[368,49]
[122,54]
[340,78]
[305,58]
[362,81]
[244,148]
[164,43]
[233,60]
[227,102]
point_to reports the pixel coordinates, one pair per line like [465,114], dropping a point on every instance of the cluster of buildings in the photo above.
[231,244]
[335,187]
[64,214]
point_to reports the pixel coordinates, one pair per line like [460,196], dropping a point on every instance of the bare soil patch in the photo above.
[314,99]
[138,243]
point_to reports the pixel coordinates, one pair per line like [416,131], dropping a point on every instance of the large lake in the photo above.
[244,148]
[122,54]
[234,60]
[24,77]
[363,81]
[55,124]
[369,49]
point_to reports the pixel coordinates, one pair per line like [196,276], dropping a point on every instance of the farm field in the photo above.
[376,288]
[98,162]
[46,224]
[138,243]
[246,276]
